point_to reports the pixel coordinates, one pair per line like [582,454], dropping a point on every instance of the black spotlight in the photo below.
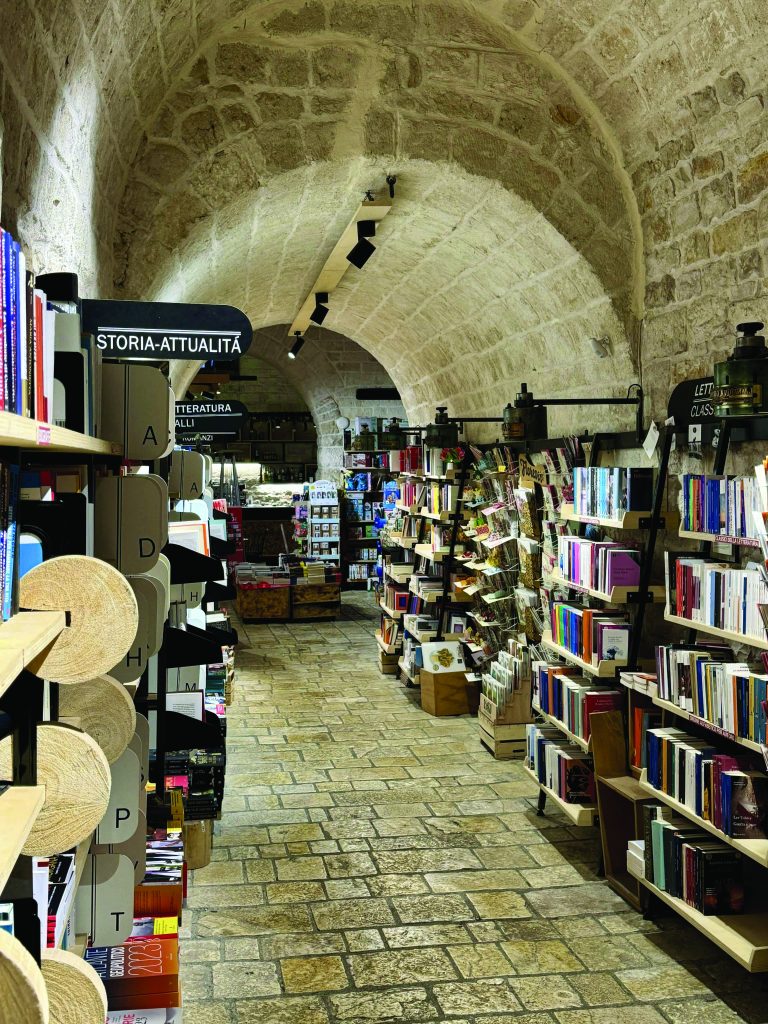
[297,345]
[363,250]
[320,312]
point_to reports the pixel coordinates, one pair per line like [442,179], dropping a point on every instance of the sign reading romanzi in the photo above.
[166,330]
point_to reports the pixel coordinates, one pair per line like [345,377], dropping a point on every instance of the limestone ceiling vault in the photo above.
[213,148]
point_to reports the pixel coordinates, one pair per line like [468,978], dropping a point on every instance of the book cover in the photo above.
[170,1015]
[147,967]
[721,881]
[749,804]
[622,569]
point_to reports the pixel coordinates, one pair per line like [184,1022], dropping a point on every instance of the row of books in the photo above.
[406,460]
[366,460]
[412,493]
[606,492]
[562,767]
[440,497]
[390,631]
[690,865]
[717,594]
[641,720]
[395,598]
[362,532]
[592,634]
[570,699]
[9,547]
[704,680]
[721,504]
[434,463]
[598,565]
[361,571]
[717,787]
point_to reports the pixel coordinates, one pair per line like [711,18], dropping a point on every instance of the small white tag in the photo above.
[651,439]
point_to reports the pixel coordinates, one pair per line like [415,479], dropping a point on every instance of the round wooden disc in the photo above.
[23,998]
[76,993]
[72,767]
[103,616]
[106,712]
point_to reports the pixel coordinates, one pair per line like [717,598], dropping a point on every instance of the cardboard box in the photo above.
[448,693]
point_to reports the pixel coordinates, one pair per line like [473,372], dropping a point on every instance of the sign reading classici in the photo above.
[166,330]
[215,416]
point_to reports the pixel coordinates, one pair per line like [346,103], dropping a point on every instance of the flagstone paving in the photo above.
[375,865]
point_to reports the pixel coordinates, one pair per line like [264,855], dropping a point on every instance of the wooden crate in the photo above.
[447,693]
[388,663]
[505,742]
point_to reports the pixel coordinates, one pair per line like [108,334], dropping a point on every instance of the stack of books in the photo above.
[598,565]
[571,700]
[690,865]
[591,634]
[562,767]
[720,504]
[717,594]
[717,787]
[606,492]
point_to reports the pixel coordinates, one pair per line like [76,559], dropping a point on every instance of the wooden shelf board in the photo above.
[410,510]
[742,936]
[627,521]
[579,814]
[413,678]
[718,538]
[438,517]
[387,648]
[626,786]
[399,579]
[761,643]
[425,551]
[551,720]
[755,849]
[22,432]
[403,542]
[23,638]
[618,595]
[603,670]
[390,611]
[673,709]
[19,806]
[430,597]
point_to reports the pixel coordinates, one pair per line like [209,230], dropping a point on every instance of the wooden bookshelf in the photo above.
[387,648]
[409,510]
[23,432]
[425,551]
[627,521]
[19,806]
[702,723]
[404,671]
[603,670]
[23,638]
[438,517]
[551,720]
[580,815]
[742,936]
[618,595]
[761,643]
[755,849]
[391,612]
[719,538]
[402,541]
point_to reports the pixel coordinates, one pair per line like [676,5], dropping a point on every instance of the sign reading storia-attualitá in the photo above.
[214,416]
[166,330]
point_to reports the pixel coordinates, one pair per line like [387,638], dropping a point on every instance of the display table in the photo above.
[288,599]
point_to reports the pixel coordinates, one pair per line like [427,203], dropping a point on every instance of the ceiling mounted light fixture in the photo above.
[363,250]
[297,345]
[320,312]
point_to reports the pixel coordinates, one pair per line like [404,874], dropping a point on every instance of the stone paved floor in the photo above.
[374,865]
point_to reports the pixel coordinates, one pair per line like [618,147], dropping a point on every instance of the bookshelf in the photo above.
[581,815]
[702,723]
[603,670]
[19,807]
[744,937]
[755,849]
[551,720]
[761,643]
[425,551]
[618,595]
[627,521]
[718,538]
[23,638]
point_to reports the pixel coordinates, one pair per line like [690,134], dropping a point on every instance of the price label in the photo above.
[43,433]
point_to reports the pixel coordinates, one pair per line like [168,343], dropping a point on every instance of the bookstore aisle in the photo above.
[375,864]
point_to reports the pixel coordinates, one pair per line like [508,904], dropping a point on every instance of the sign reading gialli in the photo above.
[217,416]
[166,330]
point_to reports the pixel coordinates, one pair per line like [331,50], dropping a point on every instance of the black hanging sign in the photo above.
[691,402]
[209,416]
[166,330]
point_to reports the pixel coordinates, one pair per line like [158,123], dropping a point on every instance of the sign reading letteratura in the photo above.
[166,330]
[217,416]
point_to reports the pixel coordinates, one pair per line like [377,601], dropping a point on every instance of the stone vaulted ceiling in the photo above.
[558,174]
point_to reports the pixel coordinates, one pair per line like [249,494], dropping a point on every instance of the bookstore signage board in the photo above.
[691,402]
[166,330]
[212,417]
